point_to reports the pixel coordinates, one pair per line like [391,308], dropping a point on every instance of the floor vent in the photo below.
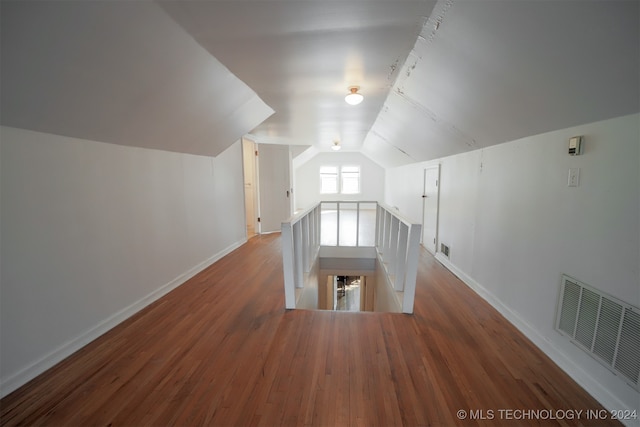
[603,326]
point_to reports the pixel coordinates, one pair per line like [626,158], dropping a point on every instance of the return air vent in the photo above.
[605,327]
[444,249]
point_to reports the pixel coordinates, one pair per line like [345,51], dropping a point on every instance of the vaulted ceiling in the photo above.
[118,72]
[487,72]
[439,78]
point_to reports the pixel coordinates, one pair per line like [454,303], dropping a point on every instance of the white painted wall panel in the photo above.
[403,190]
[386,299]
[514,226]
[92,232]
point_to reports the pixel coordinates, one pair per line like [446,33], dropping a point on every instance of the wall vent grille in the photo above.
[444,249]
[603,326]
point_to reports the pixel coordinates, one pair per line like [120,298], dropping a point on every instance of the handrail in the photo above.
[396,213]
[397,242]
[297,216]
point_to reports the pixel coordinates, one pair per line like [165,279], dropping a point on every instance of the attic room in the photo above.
[130,259]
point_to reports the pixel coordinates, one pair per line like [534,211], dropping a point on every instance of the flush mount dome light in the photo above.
[336,146]
[353,97]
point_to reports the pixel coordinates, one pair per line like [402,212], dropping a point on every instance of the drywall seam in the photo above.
[67,349]
[601,394]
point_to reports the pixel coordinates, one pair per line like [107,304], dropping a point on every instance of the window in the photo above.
[328,180]
[348,178]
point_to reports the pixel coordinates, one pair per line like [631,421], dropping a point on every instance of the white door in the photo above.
[274,186]
[250,188]
[430,200]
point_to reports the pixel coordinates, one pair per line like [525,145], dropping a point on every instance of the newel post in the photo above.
[287,266]
[411,275]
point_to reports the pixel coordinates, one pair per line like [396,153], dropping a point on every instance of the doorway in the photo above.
[347,293]
[249,154]
[274,183]
[430,205]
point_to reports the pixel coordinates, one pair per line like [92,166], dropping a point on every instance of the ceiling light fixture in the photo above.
[336,146]
[353,97]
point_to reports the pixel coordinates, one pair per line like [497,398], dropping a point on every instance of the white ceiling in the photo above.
[486,72]
[301,57]
[438,78]
[121,72]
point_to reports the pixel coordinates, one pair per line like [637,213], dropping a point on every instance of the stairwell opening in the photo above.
[315,249]
[347,293]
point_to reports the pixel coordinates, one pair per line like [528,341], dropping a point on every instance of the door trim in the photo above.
[433,249]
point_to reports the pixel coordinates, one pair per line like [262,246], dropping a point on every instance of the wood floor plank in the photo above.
[221,350]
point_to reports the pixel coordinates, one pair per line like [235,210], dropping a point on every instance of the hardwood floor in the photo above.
[221,350]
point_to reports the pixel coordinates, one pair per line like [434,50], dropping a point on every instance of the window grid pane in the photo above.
[350,179]
[328,180]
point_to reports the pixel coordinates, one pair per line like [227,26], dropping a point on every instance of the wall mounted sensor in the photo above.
[575,146]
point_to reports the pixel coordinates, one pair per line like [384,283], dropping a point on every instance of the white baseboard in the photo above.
[586,381]
[36,368]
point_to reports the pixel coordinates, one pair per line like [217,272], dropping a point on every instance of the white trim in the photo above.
[36,368]
[337,179]
[432,248]
[288,260]
[341,178]
[586,381]
[411,268]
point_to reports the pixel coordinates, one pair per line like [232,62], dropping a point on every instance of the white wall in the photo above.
[386,299]
[514,226]
[307,179]
[308,298]
[92,232]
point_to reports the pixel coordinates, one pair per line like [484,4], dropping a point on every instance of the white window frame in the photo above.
[326,175]
[349,172]
[340,174]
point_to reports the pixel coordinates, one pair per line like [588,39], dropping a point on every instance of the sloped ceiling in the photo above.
[118,72]
[486,72]
[301,56]
[439,78]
